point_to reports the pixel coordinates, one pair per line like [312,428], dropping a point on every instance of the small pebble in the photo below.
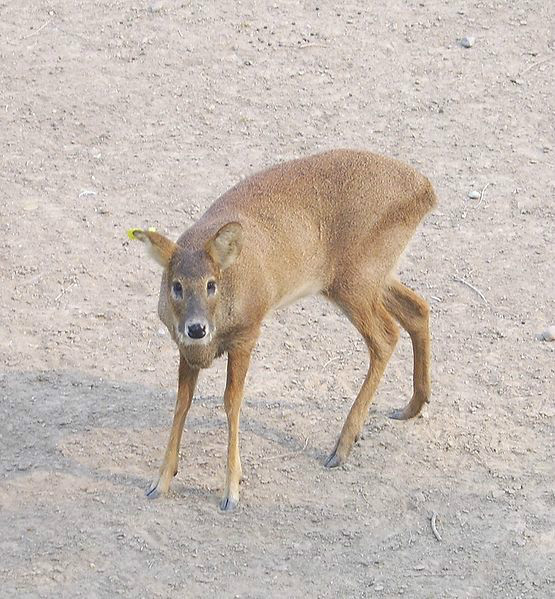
[468,41]
[29,204]
[474,195]
[156,5]
[547,335]
[86,193]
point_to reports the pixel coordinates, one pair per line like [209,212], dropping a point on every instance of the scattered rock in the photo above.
[87,192]
[156,5]
[29,204]
[474,195]
[468,41]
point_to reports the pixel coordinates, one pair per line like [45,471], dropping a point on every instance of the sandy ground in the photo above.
[120,114]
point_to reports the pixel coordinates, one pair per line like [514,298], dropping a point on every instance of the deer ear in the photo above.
[159,247]
[225,246]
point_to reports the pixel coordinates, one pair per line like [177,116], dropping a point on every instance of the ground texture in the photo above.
[121,114]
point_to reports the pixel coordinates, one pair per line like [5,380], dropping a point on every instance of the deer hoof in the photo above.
[333,461]
[153,492]
[399,414]
[404,413]
[227,504]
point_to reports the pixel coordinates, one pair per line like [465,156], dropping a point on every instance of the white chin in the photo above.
[187,341]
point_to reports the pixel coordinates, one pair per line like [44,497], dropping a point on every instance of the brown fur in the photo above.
[335,224]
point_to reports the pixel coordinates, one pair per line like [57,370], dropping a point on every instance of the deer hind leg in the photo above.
[412,312]
[366,311]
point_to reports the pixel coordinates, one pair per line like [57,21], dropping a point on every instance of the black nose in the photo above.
[196,331]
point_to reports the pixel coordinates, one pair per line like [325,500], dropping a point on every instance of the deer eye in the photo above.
[211,287]
[177,290]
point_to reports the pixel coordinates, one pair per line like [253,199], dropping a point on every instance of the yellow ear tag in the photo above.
[131,232]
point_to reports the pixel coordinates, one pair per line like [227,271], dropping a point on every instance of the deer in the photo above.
[335,224]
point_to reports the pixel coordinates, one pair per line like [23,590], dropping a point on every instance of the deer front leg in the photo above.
[186,387]
[237,366]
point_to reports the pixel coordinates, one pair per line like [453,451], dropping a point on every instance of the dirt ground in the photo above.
[119,114]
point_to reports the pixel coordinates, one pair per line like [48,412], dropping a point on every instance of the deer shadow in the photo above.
[51,416]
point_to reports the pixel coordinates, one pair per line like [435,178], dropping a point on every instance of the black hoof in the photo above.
[227,504]
[404,414]
[333,461]
[153,492]
[398,414]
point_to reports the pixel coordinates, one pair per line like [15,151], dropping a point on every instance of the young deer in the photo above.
[336,224]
